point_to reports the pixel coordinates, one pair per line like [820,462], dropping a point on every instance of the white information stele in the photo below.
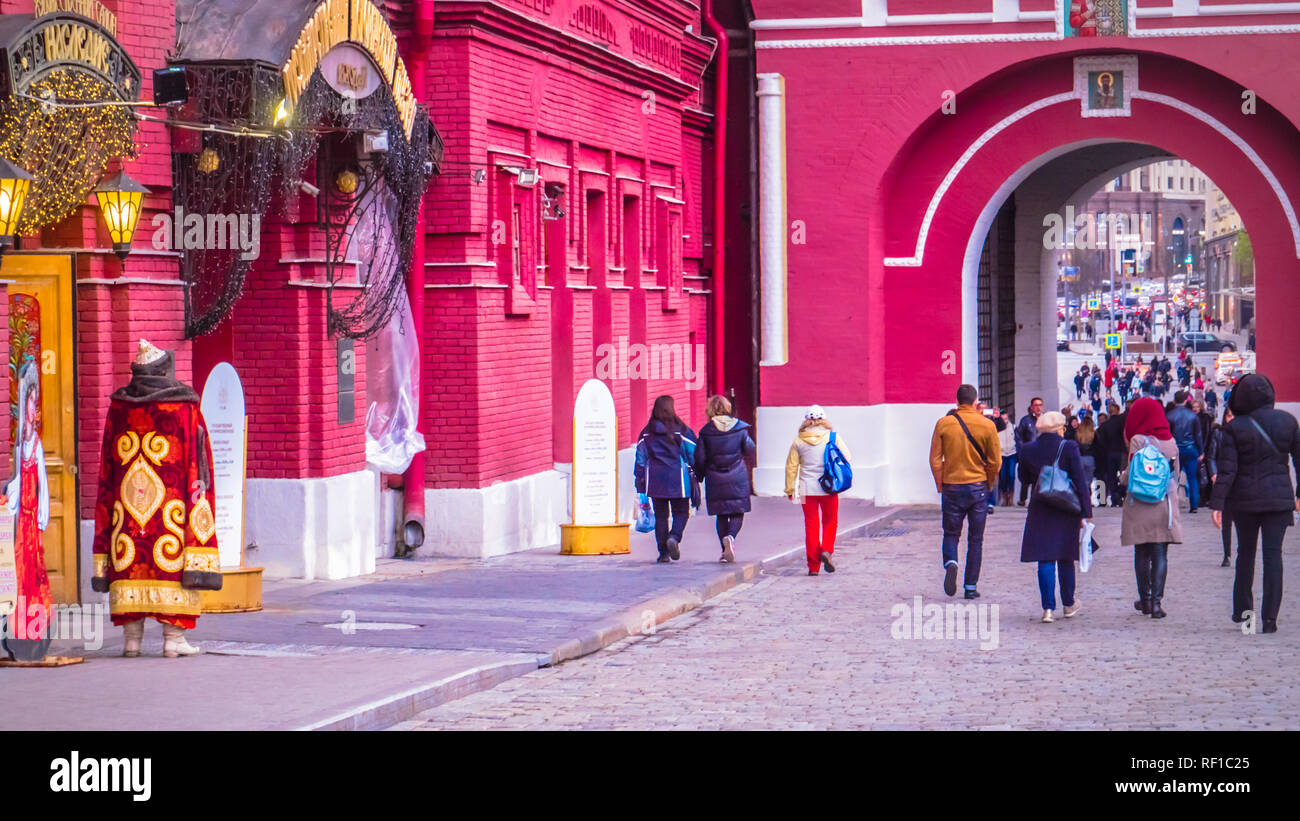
[223,410]
[595,456]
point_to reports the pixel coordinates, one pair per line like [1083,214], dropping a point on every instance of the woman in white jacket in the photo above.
[803,468]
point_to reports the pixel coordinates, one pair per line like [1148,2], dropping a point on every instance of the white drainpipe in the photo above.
[772,221]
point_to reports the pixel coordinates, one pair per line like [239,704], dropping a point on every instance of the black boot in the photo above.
[1159,568]
[1142,570]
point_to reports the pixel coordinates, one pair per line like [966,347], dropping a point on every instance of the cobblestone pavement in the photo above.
[795,652]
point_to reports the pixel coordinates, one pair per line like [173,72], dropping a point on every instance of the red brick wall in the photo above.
[491,406]
[288,366]
[488,388]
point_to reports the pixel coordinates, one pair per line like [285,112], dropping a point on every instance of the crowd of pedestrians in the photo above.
[1141,455]
[1135,456]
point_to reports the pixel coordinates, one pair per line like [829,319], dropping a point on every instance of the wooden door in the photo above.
[41,322]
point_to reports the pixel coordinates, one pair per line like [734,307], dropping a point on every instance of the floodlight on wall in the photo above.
[478,175]
[527,177]
[170,86]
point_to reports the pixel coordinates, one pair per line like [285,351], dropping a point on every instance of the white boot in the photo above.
[174,643]
[134,633]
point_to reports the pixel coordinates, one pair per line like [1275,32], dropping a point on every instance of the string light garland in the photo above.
[66,149]
[238,168]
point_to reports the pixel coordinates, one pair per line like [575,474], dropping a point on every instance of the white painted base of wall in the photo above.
[314,528]
[507,517]
[331,528]
[492,521]
[890,446]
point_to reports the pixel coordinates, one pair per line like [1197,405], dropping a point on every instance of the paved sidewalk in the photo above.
[789,652]
[372,651]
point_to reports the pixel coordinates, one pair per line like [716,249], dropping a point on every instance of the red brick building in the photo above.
[915,248]
[569,222]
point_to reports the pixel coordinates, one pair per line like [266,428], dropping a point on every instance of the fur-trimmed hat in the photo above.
[148,353]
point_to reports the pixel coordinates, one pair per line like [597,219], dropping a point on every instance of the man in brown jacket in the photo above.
[965,457]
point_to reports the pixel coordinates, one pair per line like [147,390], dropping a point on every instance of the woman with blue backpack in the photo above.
[721,460]
[809,468]
[665,454]
[1150,517]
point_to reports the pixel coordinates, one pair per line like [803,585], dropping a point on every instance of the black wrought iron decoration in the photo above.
[230,175]
[234,175]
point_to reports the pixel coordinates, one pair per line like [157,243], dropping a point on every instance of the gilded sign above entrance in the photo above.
[349,21]
[91,9]
[61,41]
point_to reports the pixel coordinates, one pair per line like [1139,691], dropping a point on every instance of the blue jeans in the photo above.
[959,503]
[1187,460]
[1047,573]
[1007,477]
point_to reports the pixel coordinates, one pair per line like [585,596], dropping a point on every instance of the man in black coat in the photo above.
[1112,454]
[1254,481]
[1026,432]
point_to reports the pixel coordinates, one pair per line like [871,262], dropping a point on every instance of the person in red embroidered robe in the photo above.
[155,524]
[28,498]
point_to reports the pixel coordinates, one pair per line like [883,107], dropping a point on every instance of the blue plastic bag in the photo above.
[645,516]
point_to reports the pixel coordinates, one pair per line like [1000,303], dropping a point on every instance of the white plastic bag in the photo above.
[392,386]
[1085,546]
[393,354]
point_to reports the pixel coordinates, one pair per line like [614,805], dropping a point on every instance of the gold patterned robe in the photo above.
[155,525]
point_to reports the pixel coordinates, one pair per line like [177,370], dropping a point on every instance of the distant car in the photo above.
[1198,341]
[1228,366]
[1062,344]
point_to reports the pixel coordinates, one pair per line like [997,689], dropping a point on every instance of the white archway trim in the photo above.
[1243,147]
[975,246]
[916,259]
[997,128]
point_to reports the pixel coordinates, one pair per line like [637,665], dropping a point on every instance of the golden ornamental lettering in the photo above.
[353,77]
[90,9]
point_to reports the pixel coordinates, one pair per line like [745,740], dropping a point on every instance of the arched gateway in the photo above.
[934,139]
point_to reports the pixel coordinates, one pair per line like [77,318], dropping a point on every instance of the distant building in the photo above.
[1224,277]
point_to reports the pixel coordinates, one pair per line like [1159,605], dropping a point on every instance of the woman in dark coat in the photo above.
[665,452]
[721,461]
[1212,457]
[1259,447]
[1052,535]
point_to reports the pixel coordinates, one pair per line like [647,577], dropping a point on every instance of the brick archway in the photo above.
[940,185]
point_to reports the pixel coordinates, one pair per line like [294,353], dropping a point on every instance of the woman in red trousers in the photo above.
[803,469]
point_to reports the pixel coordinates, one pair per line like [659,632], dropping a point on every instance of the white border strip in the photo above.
[1001,125]
[875,16]
[1242,146]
